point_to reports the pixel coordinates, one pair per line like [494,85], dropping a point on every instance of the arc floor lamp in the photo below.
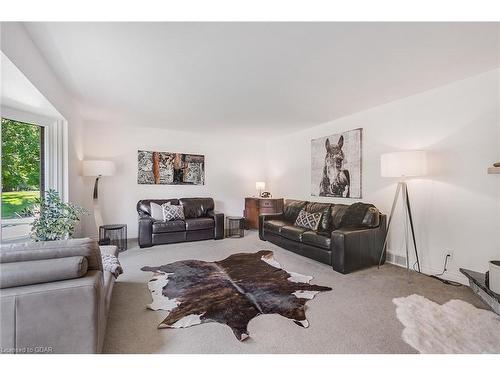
[402,165]
[97,169]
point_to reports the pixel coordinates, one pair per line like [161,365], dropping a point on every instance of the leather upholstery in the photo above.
[345,249]
[219,224]
[291,209]
[169,226]
[196,207]
[65,309]
[202,222]
[292,232]
[199,223]
[274,226]
[41,271]
[372,218]
[355,248]
[325,209]
[337,210]
[315,239]
[144,207]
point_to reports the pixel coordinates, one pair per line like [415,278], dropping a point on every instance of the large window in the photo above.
[22,174]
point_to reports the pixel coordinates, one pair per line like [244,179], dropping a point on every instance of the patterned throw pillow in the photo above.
[308,220]
[172,212]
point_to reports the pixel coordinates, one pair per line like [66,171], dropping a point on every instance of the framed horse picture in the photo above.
[336,163]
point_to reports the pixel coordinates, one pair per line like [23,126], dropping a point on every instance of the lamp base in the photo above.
[402,189]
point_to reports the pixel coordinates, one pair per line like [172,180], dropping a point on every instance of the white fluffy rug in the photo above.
[455,327]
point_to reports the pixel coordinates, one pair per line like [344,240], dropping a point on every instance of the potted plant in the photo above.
[53,218]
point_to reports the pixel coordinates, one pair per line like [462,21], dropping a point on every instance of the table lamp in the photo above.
[402,165]
[260,186]
[97,169]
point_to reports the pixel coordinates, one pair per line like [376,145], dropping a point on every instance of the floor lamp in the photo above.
[97,169]
[402,165]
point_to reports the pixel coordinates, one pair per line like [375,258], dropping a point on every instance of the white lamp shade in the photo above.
[98,168]
[260,185]
[403,164]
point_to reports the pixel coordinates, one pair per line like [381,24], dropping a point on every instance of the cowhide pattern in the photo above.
[232,291]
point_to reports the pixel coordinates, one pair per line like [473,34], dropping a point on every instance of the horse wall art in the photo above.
[336,165]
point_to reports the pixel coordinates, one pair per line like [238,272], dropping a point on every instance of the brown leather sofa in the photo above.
[345,248]
[201,222]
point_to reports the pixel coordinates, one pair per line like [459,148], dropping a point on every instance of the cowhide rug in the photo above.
[232,291]
[455,327]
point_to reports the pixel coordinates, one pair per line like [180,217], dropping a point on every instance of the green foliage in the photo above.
[14,203]
[54,219]
[20,156]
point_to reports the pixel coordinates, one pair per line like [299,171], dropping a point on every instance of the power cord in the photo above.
[436,276]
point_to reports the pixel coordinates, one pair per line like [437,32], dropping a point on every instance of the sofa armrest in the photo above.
[355,248]
[219,224]
[41,271]
[263,218]
[145,235]
[51,315]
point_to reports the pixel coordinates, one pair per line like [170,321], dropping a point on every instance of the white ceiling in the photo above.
[17,92]
[247,77]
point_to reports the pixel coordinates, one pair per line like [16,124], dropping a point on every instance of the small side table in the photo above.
[113,234]
[235,226]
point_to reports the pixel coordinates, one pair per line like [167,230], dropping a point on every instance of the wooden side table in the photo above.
[256,206]
[113,234]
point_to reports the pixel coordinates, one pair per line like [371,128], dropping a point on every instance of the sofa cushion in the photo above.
[144,206]
[42,271]
[315,239]
[308,220]
[291,209]
[169,226]
[25,251]
[337,211]
[274,226]
[172,212]
[326,219]
[156,211]
[196,207]
[355,215]
[199,223]
[292,232]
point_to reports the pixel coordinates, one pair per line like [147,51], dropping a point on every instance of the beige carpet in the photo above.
[358,316]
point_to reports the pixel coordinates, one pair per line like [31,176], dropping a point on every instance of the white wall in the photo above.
[456,205]
[232,166]
[17,45]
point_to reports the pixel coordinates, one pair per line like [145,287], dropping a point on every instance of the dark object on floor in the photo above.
[113,234]
[201,222]
[232,291]
[346,249]
[235,226]
[487,279]
[477,282]
[258,206]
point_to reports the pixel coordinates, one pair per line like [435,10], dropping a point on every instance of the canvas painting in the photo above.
[336,165]
[168,168]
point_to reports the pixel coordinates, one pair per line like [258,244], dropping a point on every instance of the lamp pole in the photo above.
[402,189]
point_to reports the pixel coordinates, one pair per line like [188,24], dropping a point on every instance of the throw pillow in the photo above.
[156,211]
[308,220]
[172,212]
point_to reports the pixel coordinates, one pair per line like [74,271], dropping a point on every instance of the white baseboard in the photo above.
[400,261]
